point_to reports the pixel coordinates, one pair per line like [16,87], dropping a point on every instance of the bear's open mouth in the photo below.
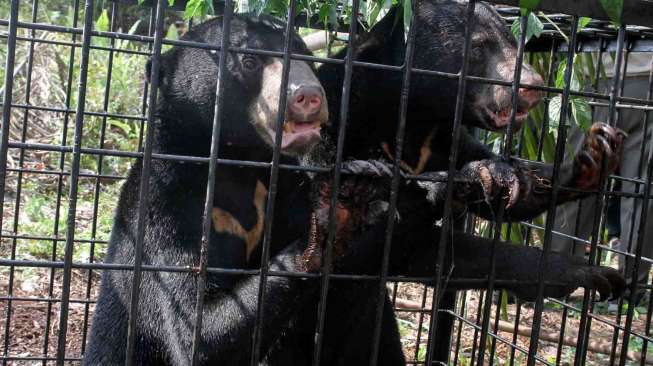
[298,135]
[501,119]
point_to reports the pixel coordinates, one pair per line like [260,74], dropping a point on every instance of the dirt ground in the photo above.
[29,327]
[29,322]
[600,341]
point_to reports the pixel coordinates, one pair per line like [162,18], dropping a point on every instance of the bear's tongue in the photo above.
[309,137]
[299,127]
[296,134]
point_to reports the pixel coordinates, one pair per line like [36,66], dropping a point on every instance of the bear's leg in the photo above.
[106,345]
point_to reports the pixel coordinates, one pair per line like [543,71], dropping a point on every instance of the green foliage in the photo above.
[103,23]
[534,27]
[527,5]
[408,13]
[198,8]
[579,106]
[583,22]
[613,9]
[38,201]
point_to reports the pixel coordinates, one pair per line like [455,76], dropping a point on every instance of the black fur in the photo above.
[173,223]
[372,119]
[173,227]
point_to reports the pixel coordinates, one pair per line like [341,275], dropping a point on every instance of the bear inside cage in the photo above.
[433,182]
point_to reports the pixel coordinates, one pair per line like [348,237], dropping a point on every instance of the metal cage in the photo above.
[46,320]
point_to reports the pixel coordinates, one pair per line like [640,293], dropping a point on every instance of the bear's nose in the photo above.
[305,103]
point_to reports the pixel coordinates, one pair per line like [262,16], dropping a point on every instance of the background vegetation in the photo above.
[36,212]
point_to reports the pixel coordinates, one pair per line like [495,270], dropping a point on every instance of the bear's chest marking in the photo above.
[425,153]
[225,223]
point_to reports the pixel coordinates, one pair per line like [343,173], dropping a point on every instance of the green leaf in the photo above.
[613,9]
[328,15]
[582,113]
[408,14]
[120,125]
[554,114]
[374,10]
[515,29]
[527,5]
[172,33]
[209,7]
[196,8]
[533,28]
[134,27]
[560,77]
[583,22]
[171,2]
[103,23]
[140,2]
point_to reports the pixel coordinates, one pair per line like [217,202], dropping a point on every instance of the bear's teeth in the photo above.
[287,127]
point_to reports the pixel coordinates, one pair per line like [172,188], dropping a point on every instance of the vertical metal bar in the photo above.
[560,149]
[60,178]
[272,189]
[614,88]
[335,188]
[540,150]
[445,240]
[143,192]
[636,202]
[4,143]
[210,188]
[495,327]
[649,96]
[638,257]
[461,324]
[584,325]
[598,216]
[100,160]
[420,322]
[74,179]
[507,150]
[151,30]
[394,187]
[515,332]
[634,276]
[19,180]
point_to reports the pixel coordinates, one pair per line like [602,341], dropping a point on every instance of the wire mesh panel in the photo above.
[348,206]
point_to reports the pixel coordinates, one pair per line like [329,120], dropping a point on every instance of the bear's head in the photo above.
[187,84]
[439,44]
[493,54]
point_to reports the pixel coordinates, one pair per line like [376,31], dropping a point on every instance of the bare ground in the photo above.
[29,322]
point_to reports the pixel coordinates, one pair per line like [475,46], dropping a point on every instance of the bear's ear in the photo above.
[382,33]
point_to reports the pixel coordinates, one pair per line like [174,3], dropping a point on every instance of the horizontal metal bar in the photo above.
[50,238]
[601,320]
[495,336]
[182,43]
[64,173]
[179,158]
[34,358]
[72,112]
[638,12]
[44,299]
[585,241]
[77,44]
[239,272]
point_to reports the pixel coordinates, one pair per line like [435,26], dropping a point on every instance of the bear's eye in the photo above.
[250,63]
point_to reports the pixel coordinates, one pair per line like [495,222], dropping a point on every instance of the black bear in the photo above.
[370,134]
[173,224]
